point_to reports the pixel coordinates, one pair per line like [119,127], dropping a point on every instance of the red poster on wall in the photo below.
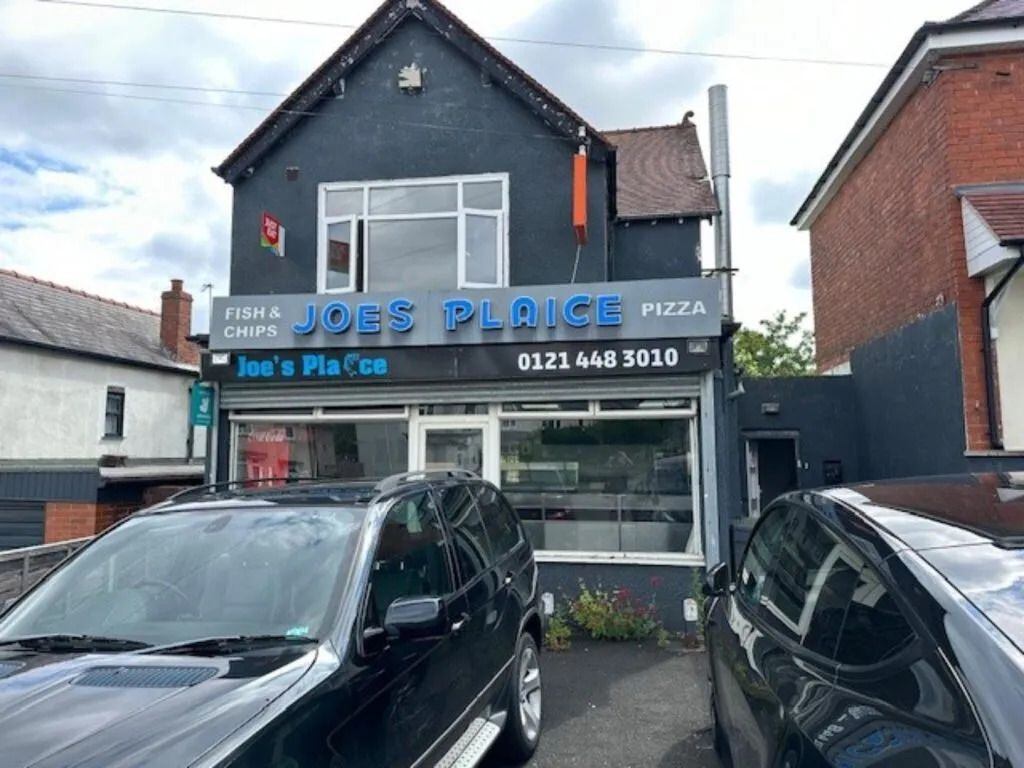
[272,235]
[268,455]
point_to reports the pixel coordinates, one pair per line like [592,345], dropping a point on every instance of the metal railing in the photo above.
[22,568]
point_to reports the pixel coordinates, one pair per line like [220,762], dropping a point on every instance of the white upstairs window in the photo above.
[432,233]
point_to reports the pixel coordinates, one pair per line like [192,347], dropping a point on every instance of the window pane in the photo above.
[875,630]
[419,253]
[576,405]
[355,450]
[597,485]
[421,198]
[410,559]
[346,202]
[454,449]
[482,249]
[485,195]
[110,426]
[472,547]
[499,520]
[339,255]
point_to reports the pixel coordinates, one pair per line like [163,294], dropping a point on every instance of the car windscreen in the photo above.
[178,576]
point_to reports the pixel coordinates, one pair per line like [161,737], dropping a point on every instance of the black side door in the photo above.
[773,637]
[480,584]
[513,573]
[896,701]
[407,695]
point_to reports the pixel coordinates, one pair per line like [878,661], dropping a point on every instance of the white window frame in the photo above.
[366,218]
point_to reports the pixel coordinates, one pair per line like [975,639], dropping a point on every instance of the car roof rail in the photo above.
[424,476]
[265,486]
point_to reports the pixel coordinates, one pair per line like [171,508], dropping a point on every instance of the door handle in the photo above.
[459,625]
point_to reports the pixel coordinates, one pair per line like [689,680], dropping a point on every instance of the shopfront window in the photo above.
[362,449]
[593,485]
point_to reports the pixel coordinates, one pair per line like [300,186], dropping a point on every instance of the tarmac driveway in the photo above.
[612,705]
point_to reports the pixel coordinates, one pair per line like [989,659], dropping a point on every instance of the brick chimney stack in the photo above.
[176,324]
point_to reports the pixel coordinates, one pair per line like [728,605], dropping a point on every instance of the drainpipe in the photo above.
[994,429]
[719,124]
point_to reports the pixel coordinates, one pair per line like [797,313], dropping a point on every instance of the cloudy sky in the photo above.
[113,193]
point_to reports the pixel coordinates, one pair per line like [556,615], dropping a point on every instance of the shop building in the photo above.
[435,263]
[94,408]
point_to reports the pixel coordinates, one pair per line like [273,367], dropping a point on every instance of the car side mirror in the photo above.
[717,581]
[416,618]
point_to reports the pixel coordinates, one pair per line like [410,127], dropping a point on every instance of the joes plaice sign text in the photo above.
[642,309]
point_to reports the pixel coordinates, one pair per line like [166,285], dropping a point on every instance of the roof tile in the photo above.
[661,172]
[34,311]
[1003,212]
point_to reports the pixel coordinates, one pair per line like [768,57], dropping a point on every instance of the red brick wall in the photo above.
[986,144]
[880,249]
[889,246]
[75,520]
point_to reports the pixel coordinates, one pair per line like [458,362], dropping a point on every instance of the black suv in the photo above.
[876,625]
[313,624]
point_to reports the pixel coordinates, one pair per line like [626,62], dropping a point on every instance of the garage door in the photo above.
[21,524]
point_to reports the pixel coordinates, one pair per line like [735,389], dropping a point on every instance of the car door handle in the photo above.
[459,625]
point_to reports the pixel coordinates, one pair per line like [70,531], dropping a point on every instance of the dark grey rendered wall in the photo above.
[909,392]
[655,249]
[821,409]
[664,585]
[377,132]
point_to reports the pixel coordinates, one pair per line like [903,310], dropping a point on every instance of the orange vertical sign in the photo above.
[579,197]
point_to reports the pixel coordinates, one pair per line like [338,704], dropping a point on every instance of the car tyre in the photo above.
[523,727]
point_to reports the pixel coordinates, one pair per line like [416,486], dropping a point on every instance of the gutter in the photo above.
[994,427]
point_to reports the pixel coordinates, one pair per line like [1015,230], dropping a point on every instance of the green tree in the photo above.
[783,347]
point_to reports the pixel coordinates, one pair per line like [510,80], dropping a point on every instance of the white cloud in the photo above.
[130,202]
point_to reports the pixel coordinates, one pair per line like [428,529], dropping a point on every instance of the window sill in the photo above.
[112,438]
[1013,453]
[620,558]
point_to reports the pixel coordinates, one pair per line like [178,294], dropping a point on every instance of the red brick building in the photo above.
[917,226]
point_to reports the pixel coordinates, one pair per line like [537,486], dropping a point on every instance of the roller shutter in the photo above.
[21,523]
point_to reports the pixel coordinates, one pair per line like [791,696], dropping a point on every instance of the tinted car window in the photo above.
[760,555]
[472,547]
[874,630]
[801,576]
[499,520]
[810,583]
[410,559]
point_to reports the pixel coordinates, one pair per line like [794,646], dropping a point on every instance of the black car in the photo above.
[875,625]
[315,624]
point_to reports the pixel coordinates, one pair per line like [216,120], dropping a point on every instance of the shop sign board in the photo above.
[201,402]
[641,309]
[499,362]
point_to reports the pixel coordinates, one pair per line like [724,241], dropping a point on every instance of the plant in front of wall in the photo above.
[613,615]
[559,634]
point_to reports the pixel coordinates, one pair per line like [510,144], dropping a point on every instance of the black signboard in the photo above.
[596,359]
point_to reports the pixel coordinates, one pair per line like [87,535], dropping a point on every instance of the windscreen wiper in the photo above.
[230,644]
[66,642]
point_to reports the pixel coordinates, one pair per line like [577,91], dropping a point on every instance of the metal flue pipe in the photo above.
[719,118]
